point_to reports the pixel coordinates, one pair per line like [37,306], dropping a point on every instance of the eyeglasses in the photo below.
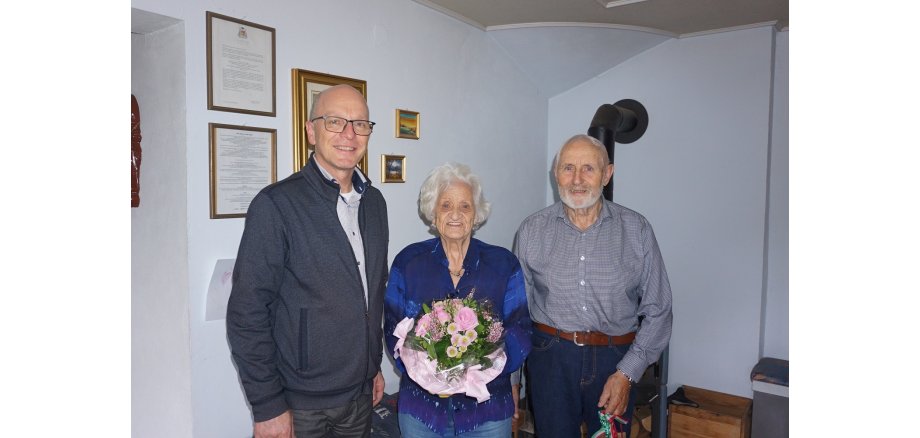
[337,124]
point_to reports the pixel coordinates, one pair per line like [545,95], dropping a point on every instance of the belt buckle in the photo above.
[575,339]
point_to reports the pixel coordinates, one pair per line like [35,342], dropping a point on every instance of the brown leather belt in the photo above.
[587,338]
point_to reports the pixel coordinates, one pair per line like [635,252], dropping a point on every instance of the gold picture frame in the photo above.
[242,162]
[407,124]
[392,168]
[305,85]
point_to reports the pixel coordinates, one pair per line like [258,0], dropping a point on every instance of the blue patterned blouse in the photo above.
[419,274]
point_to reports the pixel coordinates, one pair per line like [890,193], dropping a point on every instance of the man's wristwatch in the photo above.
[630,379]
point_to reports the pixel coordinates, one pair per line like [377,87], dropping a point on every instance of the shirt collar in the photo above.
[605,213]
[358,181]
[470,261]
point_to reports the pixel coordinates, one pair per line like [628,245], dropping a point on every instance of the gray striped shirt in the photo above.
[601,279]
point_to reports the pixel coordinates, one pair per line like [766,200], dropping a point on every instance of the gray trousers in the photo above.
[350,421]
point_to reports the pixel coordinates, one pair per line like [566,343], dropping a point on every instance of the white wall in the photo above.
[699,175]
[476,107]
[161,371]
[776,305]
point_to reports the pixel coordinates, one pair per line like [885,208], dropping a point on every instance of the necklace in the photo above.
[456,274]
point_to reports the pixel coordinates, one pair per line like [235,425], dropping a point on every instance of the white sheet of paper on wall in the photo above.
[219,290]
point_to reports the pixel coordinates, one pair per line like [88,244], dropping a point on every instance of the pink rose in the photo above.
[441,314]
[422,327]
[466,318]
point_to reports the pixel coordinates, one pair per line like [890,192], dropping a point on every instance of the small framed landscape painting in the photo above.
[407,124]
[393,168]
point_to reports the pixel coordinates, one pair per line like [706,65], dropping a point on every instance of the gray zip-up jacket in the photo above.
[299,329]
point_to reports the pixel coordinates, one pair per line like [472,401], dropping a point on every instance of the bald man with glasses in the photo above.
[305,311]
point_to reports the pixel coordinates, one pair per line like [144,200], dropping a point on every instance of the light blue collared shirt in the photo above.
[347,209]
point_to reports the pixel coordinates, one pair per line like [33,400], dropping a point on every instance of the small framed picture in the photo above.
[407,124]
[393,168]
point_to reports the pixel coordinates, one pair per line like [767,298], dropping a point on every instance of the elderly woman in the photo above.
[453,264]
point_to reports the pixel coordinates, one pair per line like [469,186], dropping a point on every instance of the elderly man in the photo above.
[592,269]
[304,317]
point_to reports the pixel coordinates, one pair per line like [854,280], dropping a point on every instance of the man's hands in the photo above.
[281,426]
[615,395]
[378,388]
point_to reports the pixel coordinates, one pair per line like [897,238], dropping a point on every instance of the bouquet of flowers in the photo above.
[453,347]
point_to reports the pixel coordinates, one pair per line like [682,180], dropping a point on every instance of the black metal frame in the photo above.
[652,390]
[625,122]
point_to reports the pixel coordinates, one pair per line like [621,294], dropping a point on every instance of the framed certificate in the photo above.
[242,163]
[241,66]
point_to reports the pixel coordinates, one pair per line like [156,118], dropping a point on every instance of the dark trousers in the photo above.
[564,384]
[352,420]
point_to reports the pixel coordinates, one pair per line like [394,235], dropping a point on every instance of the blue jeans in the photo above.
[410,427]
[564,384]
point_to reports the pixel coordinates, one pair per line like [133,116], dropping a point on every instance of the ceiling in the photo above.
[677,17]
[143,22]
[545,38]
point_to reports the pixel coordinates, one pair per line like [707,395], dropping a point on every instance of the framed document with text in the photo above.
[242,163]
[241,66]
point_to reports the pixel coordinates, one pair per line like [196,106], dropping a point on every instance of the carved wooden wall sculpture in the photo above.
[135,153]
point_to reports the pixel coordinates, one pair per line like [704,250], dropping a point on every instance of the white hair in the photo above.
[442,177]
[585,138]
